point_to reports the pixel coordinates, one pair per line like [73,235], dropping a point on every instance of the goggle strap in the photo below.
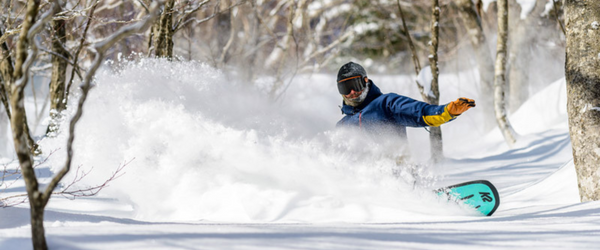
[349,78]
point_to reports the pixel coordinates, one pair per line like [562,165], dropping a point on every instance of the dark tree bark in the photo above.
[59,72]
[6,73]
[162,32]
[582,21]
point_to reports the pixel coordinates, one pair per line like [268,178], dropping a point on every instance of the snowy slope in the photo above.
[214,165]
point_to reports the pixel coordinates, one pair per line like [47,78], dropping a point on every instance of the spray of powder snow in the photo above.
[204,148]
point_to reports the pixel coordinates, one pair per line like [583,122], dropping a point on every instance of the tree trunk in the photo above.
[500,75]
[20,138]
[4,99]
[6,73]
[20,130]
[582,20]
[59,72]
[435,136]
[7,80]
[37,221]
[10,73]
[162,32]
[485,61]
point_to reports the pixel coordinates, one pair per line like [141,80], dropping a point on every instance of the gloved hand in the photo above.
[459,106]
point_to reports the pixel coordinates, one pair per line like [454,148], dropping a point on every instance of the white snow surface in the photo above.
[214,164]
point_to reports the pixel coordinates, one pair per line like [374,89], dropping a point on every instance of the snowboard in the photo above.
[480,195]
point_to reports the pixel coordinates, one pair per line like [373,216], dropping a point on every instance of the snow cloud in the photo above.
[207,148]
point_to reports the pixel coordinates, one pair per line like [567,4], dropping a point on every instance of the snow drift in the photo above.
[203,147]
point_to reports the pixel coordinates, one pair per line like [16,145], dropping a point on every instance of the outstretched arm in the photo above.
[409,112]
[451,111]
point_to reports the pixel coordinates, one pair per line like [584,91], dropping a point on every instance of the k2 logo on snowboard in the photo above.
[485,196]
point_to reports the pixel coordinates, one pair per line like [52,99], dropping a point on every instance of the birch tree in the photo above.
[582,23]
[500,75]
[435,136]
[431,97]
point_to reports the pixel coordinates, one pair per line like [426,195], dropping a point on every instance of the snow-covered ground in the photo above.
[215,165]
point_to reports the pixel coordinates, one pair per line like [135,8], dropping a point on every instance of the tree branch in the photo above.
[67,191]
[76,56]
[215,12]
[188,13]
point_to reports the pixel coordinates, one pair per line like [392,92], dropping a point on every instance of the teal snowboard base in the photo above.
[481,195]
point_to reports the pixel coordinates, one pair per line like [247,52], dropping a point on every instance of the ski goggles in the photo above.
[355,83]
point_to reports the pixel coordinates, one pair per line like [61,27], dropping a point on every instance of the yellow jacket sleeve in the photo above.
[437,120]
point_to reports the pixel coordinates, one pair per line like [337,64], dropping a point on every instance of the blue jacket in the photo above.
[393,110]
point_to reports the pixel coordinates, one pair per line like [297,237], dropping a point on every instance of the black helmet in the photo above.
[351,77]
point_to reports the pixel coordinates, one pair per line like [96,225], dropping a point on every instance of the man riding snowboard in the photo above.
[366,107]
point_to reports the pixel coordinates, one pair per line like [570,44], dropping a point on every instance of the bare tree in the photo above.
[6,70]
[60,59]
[582,21]
[290,38]
[21,75]
[92,10]
[435,136]
[175,17]
[7,79]
[500,75]
[431,97]
[38,199]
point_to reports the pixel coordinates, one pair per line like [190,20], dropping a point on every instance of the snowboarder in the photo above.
[366,107]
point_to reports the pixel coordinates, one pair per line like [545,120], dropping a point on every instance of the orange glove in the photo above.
[459,106]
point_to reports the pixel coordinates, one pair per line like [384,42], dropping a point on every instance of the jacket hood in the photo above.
[373,93]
